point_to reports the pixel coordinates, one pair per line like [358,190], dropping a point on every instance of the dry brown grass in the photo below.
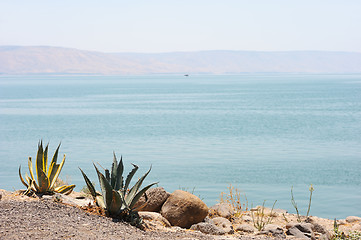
[233,197]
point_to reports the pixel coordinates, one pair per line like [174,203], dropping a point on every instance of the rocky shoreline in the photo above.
[165,216]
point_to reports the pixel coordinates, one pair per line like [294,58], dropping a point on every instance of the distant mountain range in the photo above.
[57,60]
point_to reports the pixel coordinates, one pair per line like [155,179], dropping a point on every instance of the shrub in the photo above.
[46,175]
[116,197]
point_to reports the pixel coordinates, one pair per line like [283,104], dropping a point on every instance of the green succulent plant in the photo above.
[116,197]
[46,175]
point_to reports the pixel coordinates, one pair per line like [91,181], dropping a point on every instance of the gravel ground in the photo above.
[45,219]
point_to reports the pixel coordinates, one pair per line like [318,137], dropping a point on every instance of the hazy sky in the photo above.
[183,25]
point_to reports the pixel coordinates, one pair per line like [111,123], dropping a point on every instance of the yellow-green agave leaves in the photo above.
[46,176]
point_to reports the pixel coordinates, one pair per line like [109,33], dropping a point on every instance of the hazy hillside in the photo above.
[25,60]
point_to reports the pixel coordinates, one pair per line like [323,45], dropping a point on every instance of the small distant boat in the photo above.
[186,75]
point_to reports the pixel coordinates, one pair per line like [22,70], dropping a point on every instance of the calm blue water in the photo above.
[261,133]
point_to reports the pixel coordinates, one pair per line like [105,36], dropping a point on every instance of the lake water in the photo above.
[262,133]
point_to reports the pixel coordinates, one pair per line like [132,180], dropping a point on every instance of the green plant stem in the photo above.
[295,205]
[309,203]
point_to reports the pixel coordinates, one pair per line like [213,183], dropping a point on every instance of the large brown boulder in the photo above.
[184,209]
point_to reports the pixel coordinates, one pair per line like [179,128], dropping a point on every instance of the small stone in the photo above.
[319,228]
[341,222]
[223,223]
[280,211]
[326,236]
[208,220]
[267,211]
[155,217]
[290,224]
[274,230]
[247,218]
[244,228]
[270,212]
[223,210]
[293,231]
[351,219]
[208,228]
[301,230]
[304,227]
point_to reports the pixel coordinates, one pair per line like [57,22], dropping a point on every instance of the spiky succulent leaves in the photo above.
[107,175]
[53,166]
[136,186]
[129,178]
[116,204]
[43,182]
[106,189]
[54,170]
[57,170]
[31,188]
[30,166]
[46,176]
[33,182]
[119,181]
[39,161]
[135,199]
[45,159]
[125,206]
[89,184]
[133,196]
[65,189]
[21,178]
[113,175]
[98,198]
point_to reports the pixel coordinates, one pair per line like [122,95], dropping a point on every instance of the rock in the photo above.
[326,236]
[274,230]
[351,219]
[301,230]
[356,227]
[244,228]
[293,231]
[152,200]
[268,211]
[223,210]
[208,228]
[184,209]
[208,220]
[154,220]
[290,224]
[223,223]
[341,222]
[4,193]
[68,199]
[319,228]
[315,226]
[280,211]
[304,227]
[247,218]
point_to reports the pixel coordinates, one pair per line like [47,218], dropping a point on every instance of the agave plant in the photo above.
[116,197]
[46,175]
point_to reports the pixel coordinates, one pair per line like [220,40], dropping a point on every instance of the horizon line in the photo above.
[179,51]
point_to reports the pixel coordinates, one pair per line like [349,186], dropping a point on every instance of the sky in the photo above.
[183,25]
